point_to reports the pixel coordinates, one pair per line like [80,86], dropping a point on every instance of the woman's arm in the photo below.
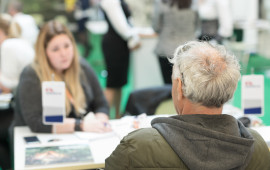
[119,22]
[29,103]
[100,104]
[15,55]
[9,77]
[117,18]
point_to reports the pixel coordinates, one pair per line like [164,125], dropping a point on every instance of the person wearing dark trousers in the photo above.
[175,22]
[166,69]
[82,15]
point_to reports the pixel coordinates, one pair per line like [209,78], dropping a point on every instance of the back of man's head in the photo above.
[209,73]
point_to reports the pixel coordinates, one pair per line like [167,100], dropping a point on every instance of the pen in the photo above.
[106,124]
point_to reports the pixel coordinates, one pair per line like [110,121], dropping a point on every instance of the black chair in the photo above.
[147,100]
[6,117]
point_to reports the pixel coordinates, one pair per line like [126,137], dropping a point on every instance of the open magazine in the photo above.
[50,155]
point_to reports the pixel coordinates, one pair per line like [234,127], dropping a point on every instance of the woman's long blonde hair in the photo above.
[70,76]
[9,26]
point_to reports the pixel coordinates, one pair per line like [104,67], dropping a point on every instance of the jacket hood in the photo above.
[209,142]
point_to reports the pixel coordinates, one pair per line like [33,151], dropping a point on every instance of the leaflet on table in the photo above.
[253,94]
[5,97]
[43,155]
[53,102]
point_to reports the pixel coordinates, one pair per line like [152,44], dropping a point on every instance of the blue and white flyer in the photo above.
[53,102]
[253,94]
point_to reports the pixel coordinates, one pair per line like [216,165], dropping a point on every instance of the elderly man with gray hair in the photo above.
[200,136]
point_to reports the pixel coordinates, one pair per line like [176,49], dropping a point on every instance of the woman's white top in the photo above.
[119,22]
[28,27]
[15,55]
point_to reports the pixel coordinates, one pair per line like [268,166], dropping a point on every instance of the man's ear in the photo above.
[179,88]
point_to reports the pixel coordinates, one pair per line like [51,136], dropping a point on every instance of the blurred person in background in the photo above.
[15,54]
[215,20]
[176,23]
[29,29]
[82,15]
[117,43]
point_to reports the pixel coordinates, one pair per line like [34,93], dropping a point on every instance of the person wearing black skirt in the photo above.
[116,45]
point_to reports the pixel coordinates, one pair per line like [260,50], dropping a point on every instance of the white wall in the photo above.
[145,65]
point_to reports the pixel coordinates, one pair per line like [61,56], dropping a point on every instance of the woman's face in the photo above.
[60,52]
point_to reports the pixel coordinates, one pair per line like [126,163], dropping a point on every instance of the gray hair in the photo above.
[209,73]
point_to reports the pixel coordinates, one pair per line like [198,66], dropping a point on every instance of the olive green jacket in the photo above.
[147,149]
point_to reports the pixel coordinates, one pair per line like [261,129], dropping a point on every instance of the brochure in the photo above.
[50,155]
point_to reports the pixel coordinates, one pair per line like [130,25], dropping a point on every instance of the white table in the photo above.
[101,145]
[20,145]
[264,131]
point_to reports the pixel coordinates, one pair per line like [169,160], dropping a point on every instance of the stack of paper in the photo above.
[5,99]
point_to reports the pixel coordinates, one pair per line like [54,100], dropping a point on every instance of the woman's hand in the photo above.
[102,117]
[66,127]
[96,123]
[137,46]
[134,42]
[3,89]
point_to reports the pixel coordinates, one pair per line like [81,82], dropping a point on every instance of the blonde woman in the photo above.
[56,55]
[15,54]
